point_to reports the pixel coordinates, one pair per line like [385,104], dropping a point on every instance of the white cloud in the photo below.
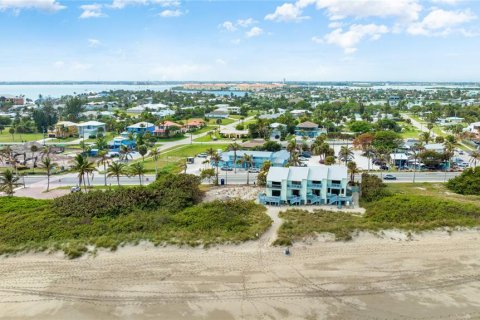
[221,62]
[440,22]
[349,39]
[236,41]
[404,10]
[120,4]
[244,23]
[92,11]
[94,43]
[228,26]
[335,25]
[240,23]
[171,13]
[449,2]
[17,5]
[254,32]
[286,12]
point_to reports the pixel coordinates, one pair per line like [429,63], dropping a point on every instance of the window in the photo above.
[276,193]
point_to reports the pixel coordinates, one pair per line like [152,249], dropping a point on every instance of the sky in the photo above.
[249,40]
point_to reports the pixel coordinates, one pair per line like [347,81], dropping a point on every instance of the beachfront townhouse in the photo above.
[277,159]
[141,127]
[90,128]
[307,185]
[308,129]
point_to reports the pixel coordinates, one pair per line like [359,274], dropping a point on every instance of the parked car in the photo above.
[383,167]
[226,168]
[463,165]
[254,170]
[303,158]
[202,155]
[75,189]
[389,177]
[306,154]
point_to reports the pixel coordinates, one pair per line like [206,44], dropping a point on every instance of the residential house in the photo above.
[15,100]
[473,128]
[399,160]
[276,130]
[299,113]
[217,114]
[90,128]
[194,124]
[147,107]
[307,185]
[308,129]
[233,133]
[141,127]
[278,159]
[437,147]
[228,108]
[64,129]
[167,129]
[115,145]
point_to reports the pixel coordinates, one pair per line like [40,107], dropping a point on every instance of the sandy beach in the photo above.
[432,276]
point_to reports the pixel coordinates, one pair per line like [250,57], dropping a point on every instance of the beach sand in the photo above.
[434,275]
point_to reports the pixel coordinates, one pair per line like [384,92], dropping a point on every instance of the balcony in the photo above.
[273,185]
[293,185]
[335,185]
[314,185]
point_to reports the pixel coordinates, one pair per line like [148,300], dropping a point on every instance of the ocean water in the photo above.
[32,91]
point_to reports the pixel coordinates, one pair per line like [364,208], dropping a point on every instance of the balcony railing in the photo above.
[335,185]
[274,185]
[314,185]
[294,185]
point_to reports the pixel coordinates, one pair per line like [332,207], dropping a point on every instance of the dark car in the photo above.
[383,167]
[389,177]
[306,154]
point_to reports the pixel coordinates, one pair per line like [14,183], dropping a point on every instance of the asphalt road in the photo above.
[229,178]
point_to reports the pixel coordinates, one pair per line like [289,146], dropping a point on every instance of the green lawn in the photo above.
[409,132]
[224,122]
[171,160]
[205,129]
[17,137]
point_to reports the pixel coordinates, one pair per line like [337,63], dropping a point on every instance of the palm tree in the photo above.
[449,149]
[353,169]
[294,160]
[142,149]
[216,158]
[234,147]
[474,157]
[247,160]
[416,149]
[425,137]
[125,152]
[155,153]
[48,165]
[104,160]
[33,149]
[83,167]
[116,169]
[345,154]
[138,169]
[8,182]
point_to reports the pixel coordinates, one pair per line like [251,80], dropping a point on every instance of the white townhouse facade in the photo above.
[307,185]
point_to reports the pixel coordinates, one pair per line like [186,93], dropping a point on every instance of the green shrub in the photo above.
[170,192]
[468,183]
[372,188]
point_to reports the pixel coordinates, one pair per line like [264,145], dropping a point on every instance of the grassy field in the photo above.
[224,121]
[205,129]
[413,208]
[17,137]
[409,132]
[171,160]
[34,225]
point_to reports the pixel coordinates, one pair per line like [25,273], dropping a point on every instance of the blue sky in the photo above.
[315,40]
